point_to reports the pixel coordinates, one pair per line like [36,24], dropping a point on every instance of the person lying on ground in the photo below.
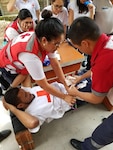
[39,106]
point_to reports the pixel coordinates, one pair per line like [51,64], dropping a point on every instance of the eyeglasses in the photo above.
[58,6]
[57,44]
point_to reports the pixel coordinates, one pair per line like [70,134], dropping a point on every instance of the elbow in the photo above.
[33,124]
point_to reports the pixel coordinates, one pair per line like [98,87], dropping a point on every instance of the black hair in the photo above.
[83,28]
[82,8]
[52,1]
[23,14]
[49,27]
[11,96]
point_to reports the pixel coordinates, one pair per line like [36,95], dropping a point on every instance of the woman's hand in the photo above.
[72,90]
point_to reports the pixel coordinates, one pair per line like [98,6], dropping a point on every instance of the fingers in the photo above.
[4,104]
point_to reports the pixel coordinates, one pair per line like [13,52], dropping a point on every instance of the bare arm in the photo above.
[11,5]
[18,80]
[80,78]
[86,96]
[58,70]
[65,30]
[38,14]
[27,82]
[70,17]
[26,119]
[91,9]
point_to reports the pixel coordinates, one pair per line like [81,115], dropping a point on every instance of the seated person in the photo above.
[39,105]
[22,23]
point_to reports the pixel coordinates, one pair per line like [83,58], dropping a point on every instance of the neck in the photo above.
[41,48]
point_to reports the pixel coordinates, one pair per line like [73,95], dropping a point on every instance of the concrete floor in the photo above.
[56,135]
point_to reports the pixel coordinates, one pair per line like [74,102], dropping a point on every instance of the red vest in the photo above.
[25,42]
[14,25]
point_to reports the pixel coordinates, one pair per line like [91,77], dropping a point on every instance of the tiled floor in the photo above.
[56,135]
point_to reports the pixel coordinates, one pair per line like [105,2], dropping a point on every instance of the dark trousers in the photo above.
[6,78]
[102,135]
[17,125]
[4,83]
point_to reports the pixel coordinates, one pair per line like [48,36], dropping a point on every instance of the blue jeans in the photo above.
[102,135]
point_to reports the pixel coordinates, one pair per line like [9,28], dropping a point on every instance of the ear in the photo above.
[85,43]
[19,20]
[21,105]
[44,41]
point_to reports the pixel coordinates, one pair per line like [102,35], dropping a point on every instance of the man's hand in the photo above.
[6,105]
[69,99]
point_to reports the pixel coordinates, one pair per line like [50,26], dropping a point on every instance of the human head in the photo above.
[83,30]
[11,96]
[82,8]
[18,97]
[49,31]
[25,20]
[82,1]
[57,6]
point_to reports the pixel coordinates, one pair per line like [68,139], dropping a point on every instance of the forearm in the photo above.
[92,14]
[10,5]
[38,14]
[58,71]
[70,17]
[85,75]
[91,8]
[88,97]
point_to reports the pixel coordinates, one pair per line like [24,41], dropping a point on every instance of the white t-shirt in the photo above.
[46,109]
[103,15]
[34,65]
[31,5]
[73,5]
[62,16]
